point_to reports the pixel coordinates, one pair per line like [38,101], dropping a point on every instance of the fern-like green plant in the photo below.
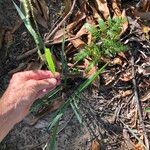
[106,41]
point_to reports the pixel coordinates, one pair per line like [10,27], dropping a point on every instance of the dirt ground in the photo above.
[100,108]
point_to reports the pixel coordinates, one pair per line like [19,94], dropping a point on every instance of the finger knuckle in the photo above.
[16,75]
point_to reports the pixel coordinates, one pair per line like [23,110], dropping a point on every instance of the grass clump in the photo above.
[105,42]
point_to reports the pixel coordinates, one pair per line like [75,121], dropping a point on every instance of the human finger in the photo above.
[42,84]
[37,74]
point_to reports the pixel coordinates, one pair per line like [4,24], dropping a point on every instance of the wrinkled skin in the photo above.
[24,88]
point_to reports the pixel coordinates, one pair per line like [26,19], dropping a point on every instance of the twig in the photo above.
[137,101]
[53,27]
[65,18]
[28,53]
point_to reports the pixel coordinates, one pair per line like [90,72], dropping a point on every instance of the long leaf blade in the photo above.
[27,24]
[52,145]
[55,120]
[76,112]
[91,79]
[49,60]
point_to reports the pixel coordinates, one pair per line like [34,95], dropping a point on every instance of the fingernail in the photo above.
[57,75]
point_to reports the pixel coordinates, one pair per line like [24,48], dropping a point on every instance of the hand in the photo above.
[24,88]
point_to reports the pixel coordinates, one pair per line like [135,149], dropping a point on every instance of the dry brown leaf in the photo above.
[58,36]
[146,96]
[143,15]
[118,13]
[117,61]
[95,14]
[126,77]
[126,23]
[143,10]
[130,145]
[138,147]
[91,72]
[95,145]
[146,31]
[116,9]
[82,31]
[79,17]
[121,54]
[143,5]
[41,12]
[103,8]
[77,43]
[133,116]
[125,93]
[127,143]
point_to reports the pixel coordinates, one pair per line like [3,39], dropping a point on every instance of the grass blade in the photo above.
[90,79]
[55,120]
[76,112]
[52,144]
[49,60]
[27,24]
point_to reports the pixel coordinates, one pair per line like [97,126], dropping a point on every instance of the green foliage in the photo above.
[147,110]
[106,41]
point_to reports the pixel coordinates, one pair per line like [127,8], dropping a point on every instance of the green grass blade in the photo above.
[59,113]
[76,112]
[49,60]
[27,24]
[147,110]
[52,144]
[90,79]
[37,38]
[55,120]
